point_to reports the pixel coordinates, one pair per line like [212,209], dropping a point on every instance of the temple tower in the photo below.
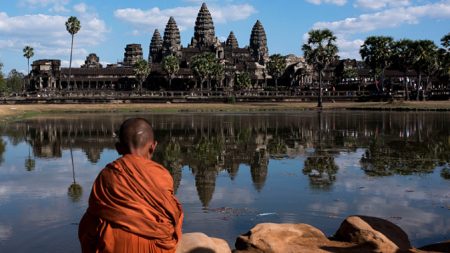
[232,41]
[204,34]
[133,52]
[92,61]
[156,46]
[171,39]
[258,43]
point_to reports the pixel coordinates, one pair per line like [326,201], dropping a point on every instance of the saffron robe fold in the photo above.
[132,208]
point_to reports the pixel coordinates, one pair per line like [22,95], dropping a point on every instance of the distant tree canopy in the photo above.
[141,71]
[15,81]
[276,67]
[171,65]
[243,81]
[2,80]
[376,52]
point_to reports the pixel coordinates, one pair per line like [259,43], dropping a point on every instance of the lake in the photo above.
[233,171]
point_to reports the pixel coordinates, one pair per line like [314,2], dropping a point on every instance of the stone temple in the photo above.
[48,75]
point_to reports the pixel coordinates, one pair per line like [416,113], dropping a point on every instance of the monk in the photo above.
[132,207]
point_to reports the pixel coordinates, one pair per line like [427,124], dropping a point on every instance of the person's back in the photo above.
[132,207]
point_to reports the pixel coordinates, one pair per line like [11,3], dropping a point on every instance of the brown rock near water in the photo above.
[291,238]
[201,243]
[386,236]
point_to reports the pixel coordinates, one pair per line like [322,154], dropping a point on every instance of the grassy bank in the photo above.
[9,112]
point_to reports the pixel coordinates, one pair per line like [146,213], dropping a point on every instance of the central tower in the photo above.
[204,34]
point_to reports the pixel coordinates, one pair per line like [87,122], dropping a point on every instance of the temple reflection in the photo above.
[207,144]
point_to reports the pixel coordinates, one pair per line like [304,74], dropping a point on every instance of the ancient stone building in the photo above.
[92,61]
[155,48]
[235,59]
[133,53]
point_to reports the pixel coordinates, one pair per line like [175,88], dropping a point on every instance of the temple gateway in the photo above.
[48,75]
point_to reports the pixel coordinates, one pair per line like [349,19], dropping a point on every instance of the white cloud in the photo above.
[336,2]
[184,16]
[55,5]
[47,33]
[347,30]
[379,4]
[80,8]
[388,18]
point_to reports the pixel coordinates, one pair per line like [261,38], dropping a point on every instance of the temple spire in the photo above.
[258,43]
[171,39]
[232,41]
[156,46]
[204,34]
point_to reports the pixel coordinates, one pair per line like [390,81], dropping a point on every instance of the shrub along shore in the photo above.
[19,111]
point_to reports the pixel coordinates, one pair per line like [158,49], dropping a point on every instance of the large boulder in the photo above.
[289,238]
[201,243]
[384,235]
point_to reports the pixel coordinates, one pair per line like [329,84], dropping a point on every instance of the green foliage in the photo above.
[217,71]
[243,81]
[3,87]
[425,57]
[276,66]
[320,49]
[141,71]
[73,25]
[171,65]
[28,52]
[376,52]
[15,81]
[402,54]
[445,41]
[202,65]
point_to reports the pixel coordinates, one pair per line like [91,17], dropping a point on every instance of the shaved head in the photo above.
[135,133]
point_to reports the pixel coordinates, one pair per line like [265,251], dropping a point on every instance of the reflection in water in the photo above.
[202,150]
[397,143]
[75,190]
[30,163]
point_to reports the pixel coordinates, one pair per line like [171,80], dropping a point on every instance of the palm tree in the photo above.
[402,59]
[28,52]
[171,65]
[376,52]
[72,26]
[425,61]
[141,71]
[243,81]
[276,67]
[320,51]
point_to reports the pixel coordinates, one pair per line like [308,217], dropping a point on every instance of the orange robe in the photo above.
[132,208]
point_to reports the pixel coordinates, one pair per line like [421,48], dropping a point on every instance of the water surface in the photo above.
[232,171]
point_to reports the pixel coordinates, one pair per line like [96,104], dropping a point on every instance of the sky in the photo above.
[108,26]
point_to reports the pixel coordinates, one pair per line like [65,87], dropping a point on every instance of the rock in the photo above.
[201,243]
[290,238]
[437,247]
[384,235]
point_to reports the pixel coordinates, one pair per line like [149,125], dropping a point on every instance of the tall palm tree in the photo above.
[320,51]
[171,65]
[276,67]
[376,52]
[425,61]
[141,71]
[218,73]
[72,26]
[28,52]
[402,59]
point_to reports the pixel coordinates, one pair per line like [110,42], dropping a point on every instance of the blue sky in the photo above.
[107,26]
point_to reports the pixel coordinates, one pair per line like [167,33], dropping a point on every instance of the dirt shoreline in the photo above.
[15,111]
